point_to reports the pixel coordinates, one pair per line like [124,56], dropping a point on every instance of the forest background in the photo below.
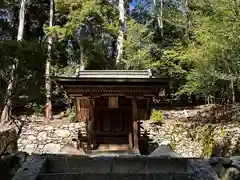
[196,42]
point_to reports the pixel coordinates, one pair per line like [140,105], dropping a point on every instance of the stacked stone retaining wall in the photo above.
[39,138]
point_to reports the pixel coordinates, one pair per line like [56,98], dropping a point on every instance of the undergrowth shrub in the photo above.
[208,141]
[157,117]
[38,110]
[71,113]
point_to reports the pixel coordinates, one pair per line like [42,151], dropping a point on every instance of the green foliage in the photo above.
[38,110]
[156,116]
[30,57]
[86,24]
[136,47]
[199,47]
[173,145]
[208,141]
[71,112]
[215,52]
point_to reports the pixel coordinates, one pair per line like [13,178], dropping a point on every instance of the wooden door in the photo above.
[113,125]
[112,121]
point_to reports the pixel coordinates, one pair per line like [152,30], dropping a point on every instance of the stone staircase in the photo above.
[60,167]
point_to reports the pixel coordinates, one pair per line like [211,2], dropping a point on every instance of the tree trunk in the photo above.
[21,20]
[82,65]
[8,100]
[236,7]
[121,29]
[233,92]
[159,16]
[187,17]
[48,105]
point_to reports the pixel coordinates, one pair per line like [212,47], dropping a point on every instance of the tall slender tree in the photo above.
[48,105]
[159,14]
[187,18]
[8,98]
[120,39]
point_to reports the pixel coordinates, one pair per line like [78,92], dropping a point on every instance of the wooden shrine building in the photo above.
[112,103]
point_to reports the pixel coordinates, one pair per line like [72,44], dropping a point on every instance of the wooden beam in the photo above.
[97,95]
[76,96]
[112,94]
[79,96]
[128,97]
[135,125]
[141,97]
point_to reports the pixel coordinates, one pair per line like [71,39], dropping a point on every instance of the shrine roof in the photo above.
[142,82]
[114,75]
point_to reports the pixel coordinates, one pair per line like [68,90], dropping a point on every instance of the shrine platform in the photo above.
[112,150]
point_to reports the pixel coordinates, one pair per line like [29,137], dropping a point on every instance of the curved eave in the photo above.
[65,80]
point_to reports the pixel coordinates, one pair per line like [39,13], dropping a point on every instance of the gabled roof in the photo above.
[114,75]
[141,82]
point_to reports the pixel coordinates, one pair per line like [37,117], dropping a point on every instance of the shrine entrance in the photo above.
[112,103]
[113,124]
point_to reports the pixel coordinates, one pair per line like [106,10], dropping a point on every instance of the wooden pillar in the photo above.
[135,125]
[78,109]
[149,102]
[91,141]
[88,135]
[130,138]
[89,130]
[93,122]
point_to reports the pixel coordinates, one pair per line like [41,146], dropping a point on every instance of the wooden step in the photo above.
[113,147]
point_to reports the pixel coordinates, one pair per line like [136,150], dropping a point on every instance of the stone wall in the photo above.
[189,139]
[39,138]
[195,140]
[7,136]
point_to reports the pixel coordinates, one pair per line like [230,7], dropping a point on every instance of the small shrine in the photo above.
[112,103]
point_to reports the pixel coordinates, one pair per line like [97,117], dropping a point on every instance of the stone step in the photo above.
[116,176]
[66,167]
[134,164]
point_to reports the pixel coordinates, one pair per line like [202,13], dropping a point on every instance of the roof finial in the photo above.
[77,72]
[149,72]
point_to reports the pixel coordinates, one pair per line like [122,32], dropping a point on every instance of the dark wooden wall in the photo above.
[82,111]
[83,105]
